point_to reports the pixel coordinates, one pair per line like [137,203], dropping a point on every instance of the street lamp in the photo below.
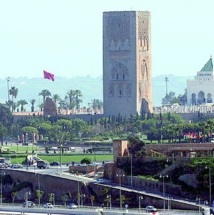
[82,198]
[39,197]
[26,197]
[78,190]
[120,175]
[61,158]
[131,170]
[164,176]
[109,198]
[2,174]
[199,203]
[210,185]
[8,93]
[140,198]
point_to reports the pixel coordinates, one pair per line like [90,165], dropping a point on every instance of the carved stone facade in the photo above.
[50,107]
[127,73]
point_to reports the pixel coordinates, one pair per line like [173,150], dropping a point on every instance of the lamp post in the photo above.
[2,174]
[61,158]
[199,203]
[131,171]
[39,188]
[82,198]
[26,197]
[78,190]
[164,176]
[109,198]
[95,166]
[210,184]
[8,94]
[119,176]
[140,198]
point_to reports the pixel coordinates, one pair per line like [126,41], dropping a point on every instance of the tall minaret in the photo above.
[127,63]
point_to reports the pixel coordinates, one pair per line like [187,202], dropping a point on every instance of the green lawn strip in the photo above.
[68,158]
[20,148]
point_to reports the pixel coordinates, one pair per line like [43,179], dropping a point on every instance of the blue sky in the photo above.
[65,36]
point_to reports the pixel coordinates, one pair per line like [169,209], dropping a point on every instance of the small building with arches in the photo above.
[201,89]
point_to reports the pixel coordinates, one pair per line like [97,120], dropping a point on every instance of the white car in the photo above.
[72,206]
[151,209]
[48,205]
[28,204]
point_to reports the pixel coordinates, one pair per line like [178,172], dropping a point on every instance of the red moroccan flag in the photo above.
[48,75]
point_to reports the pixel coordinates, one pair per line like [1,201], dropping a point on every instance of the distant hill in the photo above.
[91,88]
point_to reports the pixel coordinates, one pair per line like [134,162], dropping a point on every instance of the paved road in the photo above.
[9,209]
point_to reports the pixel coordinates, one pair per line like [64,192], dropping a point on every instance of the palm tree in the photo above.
[32,101]
[13,195]
[56,98]
[71,98]
[96,103]
[44,94]
[9,104]
[78,99]
[62,104]
[22,103]
[13,92]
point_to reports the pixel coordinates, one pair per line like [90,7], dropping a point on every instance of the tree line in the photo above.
[72,100]
[166,128]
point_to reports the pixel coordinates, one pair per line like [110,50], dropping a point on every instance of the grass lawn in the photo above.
[68,158]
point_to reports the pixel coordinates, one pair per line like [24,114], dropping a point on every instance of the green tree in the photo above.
[92,198]
[45,93]
[39,195]
[2,133]
[96,103]
[64,198]
[71,99]
[78,99]
[13,196]
[170,99]
[85,161]
[13,92]
[136,146]
[32,102]
[9,104]
[56,98]
[6,117]
[22,103]
[51,197]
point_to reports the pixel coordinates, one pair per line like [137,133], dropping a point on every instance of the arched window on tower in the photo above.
[193,99]
[120,90]
[209,98]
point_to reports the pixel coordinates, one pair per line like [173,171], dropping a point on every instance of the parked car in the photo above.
[71,206]
[151,209]
[55,163]
[100,180]
[28,204]
[16,165]
[48,205]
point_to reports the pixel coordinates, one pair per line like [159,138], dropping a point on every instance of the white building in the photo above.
[201,89]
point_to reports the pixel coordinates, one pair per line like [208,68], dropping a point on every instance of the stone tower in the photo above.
[127,72]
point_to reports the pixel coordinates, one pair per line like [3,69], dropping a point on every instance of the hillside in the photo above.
[90,87]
